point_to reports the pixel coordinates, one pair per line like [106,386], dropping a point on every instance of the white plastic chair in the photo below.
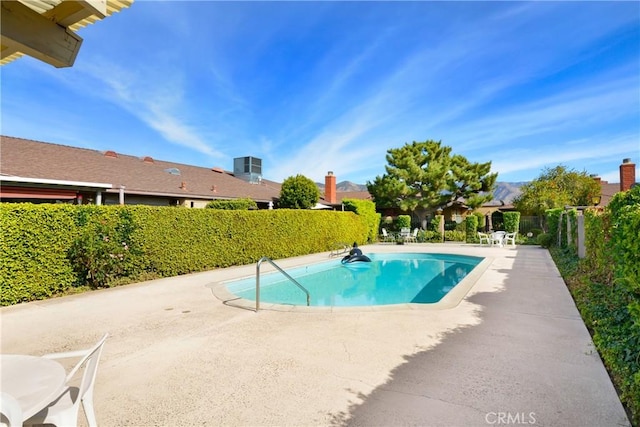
[510,238]
[385,236]
[64,410]
[413,237]
[484,237]
[10,411]
[404,233]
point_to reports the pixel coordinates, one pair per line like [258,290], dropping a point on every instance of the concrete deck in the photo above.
[513,351]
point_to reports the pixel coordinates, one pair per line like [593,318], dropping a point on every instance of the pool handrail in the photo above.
[270,261]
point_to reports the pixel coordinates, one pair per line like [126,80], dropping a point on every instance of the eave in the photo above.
[45,29]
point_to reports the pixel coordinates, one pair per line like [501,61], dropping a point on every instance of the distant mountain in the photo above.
[345,186]
[504,192]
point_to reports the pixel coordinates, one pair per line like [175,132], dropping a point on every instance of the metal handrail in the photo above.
[264,258]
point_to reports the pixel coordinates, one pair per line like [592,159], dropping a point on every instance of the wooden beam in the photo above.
[25,30]
[70,12]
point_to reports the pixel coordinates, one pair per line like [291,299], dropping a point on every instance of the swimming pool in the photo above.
[388,279]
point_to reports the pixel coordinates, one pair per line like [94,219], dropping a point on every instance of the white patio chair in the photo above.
[10,411]
[510,238]
[386,237]
[64,410]
[404,233]
[484,238]
[413,237]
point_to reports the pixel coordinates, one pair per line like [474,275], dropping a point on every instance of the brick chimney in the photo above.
[627,174]
[330,188]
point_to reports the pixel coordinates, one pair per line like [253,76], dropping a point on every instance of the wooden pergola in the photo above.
[46,29]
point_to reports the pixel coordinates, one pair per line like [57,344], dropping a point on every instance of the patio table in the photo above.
[33,381]
[497,238]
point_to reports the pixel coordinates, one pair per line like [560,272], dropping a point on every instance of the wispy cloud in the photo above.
[156,101]
[574,109]
[588,151]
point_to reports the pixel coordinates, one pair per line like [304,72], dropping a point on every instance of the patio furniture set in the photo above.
[405,236]
[497,238]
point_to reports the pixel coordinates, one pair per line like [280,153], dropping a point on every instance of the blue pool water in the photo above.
[387,279]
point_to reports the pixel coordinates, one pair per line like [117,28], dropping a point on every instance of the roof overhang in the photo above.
[45,29]
[186,196]
[52,183]
[321,206]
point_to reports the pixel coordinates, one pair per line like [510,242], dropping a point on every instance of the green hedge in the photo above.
[553,222]
[471,222]
[482,221]
[606,288]
[511,221]
[48,249]
[33,251]
[366,209]
[429,236]
[403,221]
[235,204]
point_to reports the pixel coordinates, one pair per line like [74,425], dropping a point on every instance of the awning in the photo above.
[321,206]
[36,193]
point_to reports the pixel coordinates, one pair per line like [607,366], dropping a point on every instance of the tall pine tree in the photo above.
[426,175]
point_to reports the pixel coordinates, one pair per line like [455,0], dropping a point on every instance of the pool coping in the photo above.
[448,301]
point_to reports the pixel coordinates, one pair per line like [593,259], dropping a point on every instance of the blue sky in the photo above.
[311,87]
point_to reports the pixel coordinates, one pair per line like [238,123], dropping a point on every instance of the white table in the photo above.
[33,381]
[497,238]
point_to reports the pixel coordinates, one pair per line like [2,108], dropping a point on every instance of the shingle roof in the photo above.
[360,195]
[608,191]
[34,159]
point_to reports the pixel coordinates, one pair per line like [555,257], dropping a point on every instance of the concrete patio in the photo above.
[513,351]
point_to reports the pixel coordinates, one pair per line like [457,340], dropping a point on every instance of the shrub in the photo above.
[403,221]
[429,236]
[103,250]
[454,236]
[435,223]
[606,288]
[553,222]
[536,232]
[511,221]
[482,220]
[545,240]
[298,192]
[453,225]
[366,209]
[33,249]
[236,204]
[471,223]
[98,254]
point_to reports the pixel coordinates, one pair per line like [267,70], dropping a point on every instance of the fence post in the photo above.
[560,230]
[569,236]
[582,250]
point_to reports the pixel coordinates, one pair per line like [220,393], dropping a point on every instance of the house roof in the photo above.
[144,176]
[608,191]
[360,195]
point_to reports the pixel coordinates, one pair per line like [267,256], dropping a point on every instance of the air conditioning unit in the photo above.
[248,168]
